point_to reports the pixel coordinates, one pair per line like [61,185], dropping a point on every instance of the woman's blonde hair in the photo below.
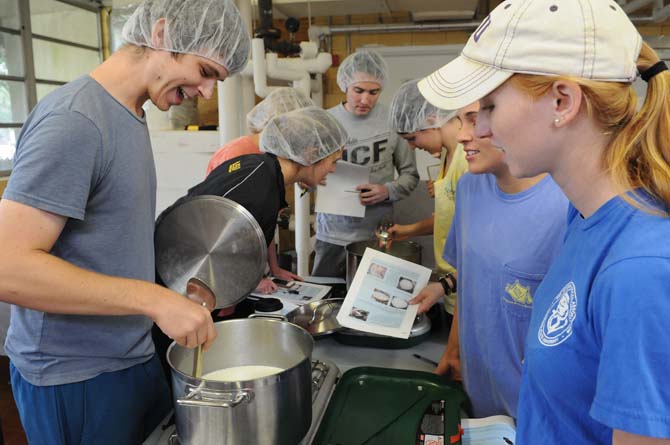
[638,155]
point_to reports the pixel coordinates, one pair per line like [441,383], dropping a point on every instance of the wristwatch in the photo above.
[448,282]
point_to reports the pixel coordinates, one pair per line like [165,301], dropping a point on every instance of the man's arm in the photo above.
[450,362]
[33,278]
[623,438]
[277,271]
[404,231]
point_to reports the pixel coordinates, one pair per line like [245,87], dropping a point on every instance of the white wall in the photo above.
[181,161]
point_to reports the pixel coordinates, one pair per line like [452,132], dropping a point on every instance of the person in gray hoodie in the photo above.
[371,142]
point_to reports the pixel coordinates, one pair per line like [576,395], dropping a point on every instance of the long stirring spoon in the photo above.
[199,292]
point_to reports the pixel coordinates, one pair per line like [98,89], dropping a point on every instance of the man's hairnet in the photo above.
[362,66]
[209,28]
[306,135]
[410,111]
[279,101]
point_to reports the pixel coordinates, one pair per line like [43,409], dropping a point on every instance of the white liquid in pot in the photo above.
[240,373]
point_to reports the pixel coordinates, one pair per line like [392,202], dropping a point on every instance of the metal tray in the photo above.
[420,331]
[379,406]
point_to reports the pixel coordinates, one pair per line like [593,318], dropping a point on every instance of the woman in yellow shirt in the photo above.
[434,130]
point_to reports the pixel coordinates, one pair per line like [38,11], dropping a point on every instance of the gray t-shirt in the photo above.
[85,156]
[371,143]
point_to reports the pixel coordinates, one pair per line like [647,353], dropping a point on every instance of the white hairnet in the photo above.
[410,111]
[362,66]
[306,135]
[279,101]
[209,28]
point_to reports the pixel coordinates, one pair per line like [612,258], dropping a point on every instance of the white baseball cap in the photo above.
[592,39]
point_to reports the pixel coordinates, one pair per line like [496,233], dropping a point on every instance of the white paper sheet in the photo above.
[324,280]
[339,196]
[297,292]
[377,300]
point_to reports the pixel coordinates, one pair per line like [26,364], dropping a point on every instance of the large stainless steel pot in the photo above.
[271,410]
[407,250]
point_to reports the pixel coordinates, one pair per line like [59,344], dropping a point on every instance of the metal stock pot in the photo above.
[407,250]
[276,409]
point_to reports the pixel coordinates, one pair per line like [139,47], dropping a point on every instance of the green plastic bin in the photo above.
[379,406]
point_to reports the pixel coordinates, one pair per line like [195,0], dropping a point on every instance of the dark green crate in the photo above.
[379,406]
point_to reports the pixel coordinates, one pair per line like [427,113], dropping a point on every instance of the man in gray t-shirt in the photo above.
[76,226]
[371,142]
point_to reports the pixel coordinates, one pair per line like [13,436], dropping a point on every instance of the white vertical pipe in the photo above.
[317,90]
[231,115]
[304,85]
[297,71]
[248,97]
[248,101]
[244,6]
[302,245]
[259,67]
[229,112]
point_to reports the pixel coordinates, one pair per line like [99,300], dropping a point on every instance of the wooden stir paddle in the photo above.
[199,292]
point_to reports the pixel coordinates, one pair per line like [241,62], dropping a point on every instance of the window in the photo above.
[43,44]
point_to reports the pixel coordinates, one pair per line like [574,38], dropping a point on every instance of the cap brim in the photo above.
[460,83]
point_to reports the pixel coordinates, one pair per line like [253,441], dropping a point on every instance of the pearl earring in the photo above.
[557,121]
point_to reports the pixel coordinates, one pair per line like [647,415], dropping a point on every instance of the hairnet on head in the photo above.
[306,135]
[279,101]
[410,111]
[209,28]
[362,66]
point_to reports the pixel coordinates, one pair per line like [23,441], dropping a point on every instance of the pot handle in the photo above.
[275,316]
[216,399]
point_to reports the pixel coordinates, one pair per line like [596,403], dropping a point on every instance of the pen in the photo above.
[304,192]
[427,360]
[352,191]
[507,441]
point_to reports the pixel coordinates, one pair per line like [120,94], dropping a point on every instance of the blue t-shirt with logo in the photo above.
[502,245]
[598,348]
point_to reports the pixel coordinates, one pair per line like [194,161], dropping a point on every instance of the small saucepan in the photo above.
[318,317]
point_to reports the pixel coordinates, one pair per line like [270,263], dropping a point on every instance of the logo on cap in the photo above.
[483,26]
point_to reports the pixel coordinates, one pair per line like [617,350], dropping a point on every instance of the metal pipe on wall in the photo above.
[317,90]
[265,13]
[295,70]
[316,31]
[105,33]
